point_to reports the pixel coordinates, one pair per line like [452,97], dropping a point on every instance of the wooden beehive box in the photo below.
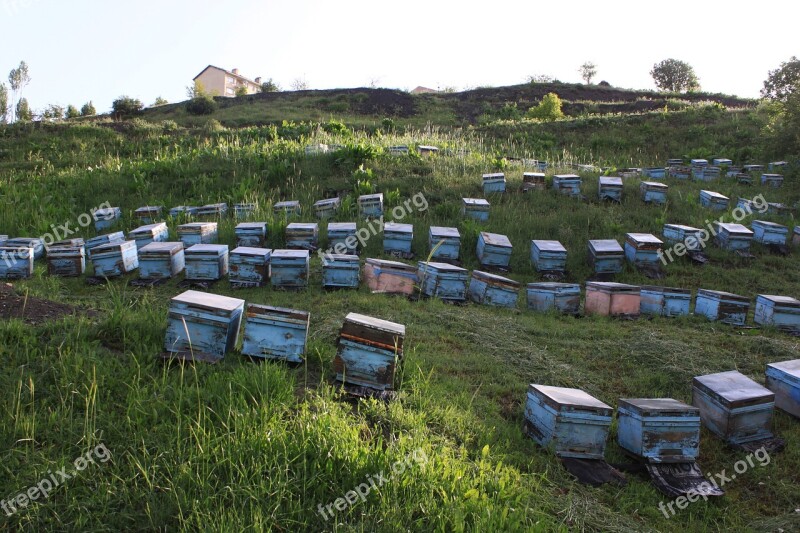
[780,311]
[665,301]
[397,237]
[533,180]
[390,277]
[680,172]
[493,183]
[654,173]
[398,150]
[302,235]
[675,162]
[148,214]
[607,298]
[723,306]
[475,208]
[443,280]
[659,430]
[570,421]
[203,325]
[714,200]
[444,243]
[341,271]
[708,173]
[289,269]
[490,289]
[371,205]
[609,188]
[753,168]
[642,248]
[289,208]
[569,184]
[251,234]
[160,260]
[732,236]
[775,165]
[369,352]
[144,235]
[766,232]
[796,236]
[197,233]
[187,211]
[783,379]
[16,262]
[206,262]
[689,236]
[249,266]
[548,256]
[115,259]
[275,333]
[212,211]
[100,240]
[773,180]
[720,161]
[105,218]
[427,150]
[342,237]
[699,162]
[653,192]
[547,296]
[606,256]
[734,406]
[65,260]
[494,250]
[243,210]
[36,244]
[327,208]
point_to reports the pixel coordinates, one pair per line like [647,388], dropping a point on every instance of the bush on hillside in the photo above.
[201,104]
[548,109]
[125,106]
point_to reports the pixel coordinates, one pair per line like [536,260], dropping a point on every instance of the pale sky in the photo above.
[80,50]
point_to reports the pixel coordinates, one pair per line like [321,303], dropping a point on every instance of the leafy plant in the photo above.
[125,106]
[548,109]
[88,110]
[674,75]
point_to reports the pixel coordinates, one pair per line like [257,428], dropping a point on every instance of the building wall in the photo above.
[213,81]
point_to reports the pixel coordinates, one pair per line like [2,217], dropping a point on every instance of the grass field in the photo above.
[262,446]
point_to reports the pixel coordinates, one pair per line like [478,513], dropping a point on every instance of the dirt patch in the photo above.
[31,310]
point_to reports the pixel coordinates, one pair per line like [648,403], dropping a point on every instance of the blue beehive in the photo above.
[606,256]
[275,333]
[148,214]
[708,173]
[568,184]
[689,236]
[342,238]
[642,248]
[699,162]
[494,250]
[752,168]
[653,192]
[115,259]
[654,173]
[397,237]
[369,351]
[289,208]
[251,234]
[769,232]
[533,180]
[719,161]
[723,306]
[475,208]
[775,165]
[371,205]
[187,211]
[3,239]
[16,262]
[570,421]
[100,240]
[197,233]
[680,172]
[105,218]
[36,244]
[206,262]
[659,430]
[161,260]
[783,379]
[675,162]
[548,256]
[732,236]
[796,236]
[665,301]
[443,280]
[398,150]
[203,325]
[343,271]
[144,235]
[489,289]
[66,260]
[773,180]
[776,208]
[445,243]
[212,211]
[243,210]
[541,166]
[302,235]
[609,188]
[327,208]
[494,183]
[714,200]
[288,269]
[563,297]
[249,267]
[734,406]
[780,311]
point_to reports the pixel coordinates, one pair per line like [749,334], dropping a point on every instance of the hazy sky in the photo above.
[81,50]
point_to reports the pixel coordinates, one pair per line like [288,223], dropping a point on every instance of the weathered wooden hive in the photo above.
[243,210]
[144,235]
[149,214]
[753,168]
[203,325]
[642,248]
[548,256]
[699,162]
[391,277]
[675,162]
[494,250]
[251,234]
[720,161]
[765,232]
[302,235]
[187,211]
[570,421]
[653,192]
[665,301]
[16,262]
[66,260]
[732,236]
[680,172]
[197,233]
[341,270]
[490,289]
[546,296]
[783,379]
[775,165]
[212,211]
[161,260]
[606,256]
[689,236]
[249,266]
[289,269]
[780,311]
[569,184]
[288,208]
[371,205]
[206,262]
[607,298]
[475,208]
[397,237]
[105,218]
[115,259]
[275,333]
[327,208]
[427,150]
[714,200]
[773,180]
[34,243]
[659,430]
[369,352]
[707,173]
[100,240]
[444,243]
[343,233]
[722,306]
[609,188]
[493,183]
[654,173]
[734,407]
[796,236]
[443,280]
[533,180]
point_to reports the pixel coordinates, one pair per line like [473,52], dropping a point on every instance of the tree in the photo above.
[23,110]
[675,76]
[3,103]
[540,78]
[241,90]
[72,112]
[18,78]
[125,106]
[160,101]
[270,86]
[300,84]
[88,109]
[782,81]
[588,71]
[548,109]
[53,112]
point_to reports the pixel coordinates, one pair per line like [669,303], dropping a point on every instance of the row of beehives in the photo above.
[664,430]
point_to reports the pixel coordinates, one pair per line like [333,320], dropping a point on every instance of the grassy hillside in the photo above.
[262,446]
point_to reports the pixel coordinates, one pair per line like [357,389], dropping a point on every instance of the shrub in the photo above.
[160,101]
[270,86]
[548,109]
[202,104]
[213,126]
[88,110]
[675,76]
[72,112]
[334,126]
[169,126]
[241,90]
[125,106]
[509,112]
[23,111]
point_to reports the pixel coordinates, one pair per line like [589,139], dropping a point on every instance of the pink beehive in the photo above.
[612,299]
